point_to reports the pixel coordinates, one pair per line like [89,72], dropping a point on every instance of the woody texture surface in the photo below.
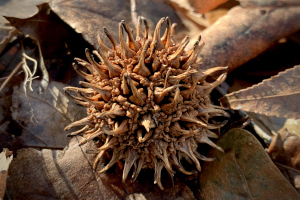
[148,101]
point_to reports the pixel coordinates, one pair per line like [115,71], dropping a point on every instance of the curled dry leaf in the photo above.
[244,33]
[278,96]
[245,171]
[43,116]
[68,174]
[5,160]
[285,149]
[89,17]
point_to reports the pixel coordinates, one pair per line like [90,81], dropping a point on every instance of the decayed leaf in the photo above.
[89,17]
[5,160]
[44,116]
[244,171]
[278,96]
[202,6]
[68,174]
[285,149]
[244,33]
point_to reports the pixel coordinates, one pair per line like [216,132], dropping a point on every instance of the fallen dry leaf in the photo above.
[44,116]
[5,160]
[202,6]
[285,149]
[244,33]
[278,96]
[68,174]
[89,17]
[244,171]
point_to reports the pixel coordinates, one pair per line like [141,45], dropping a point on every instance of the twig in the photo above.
[133,11]
[287,167]
[11,75]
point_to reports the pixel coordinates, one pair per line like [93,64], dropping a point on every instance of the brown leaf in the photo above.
[285,149]
[244,171]
[89,17]
[278,96]
[68,174]
[5,160]
[44,116]
[202,6]
[244,33]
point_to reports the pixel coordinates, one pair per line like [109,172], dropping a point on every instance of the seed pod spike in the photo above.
[111,39]
[124,85]
[174,59]
[202,75]
[201,157]
[188,117]
[173,28]
[166,38]
[186,148]
[172,107]
[147,29]
[177,164]
[105,92]
[140,165]
[160,93]
[141,69]
[123,128]
[131,157]
[114,70]
[136,96]
[113,160]
[80,131]
[86,76]
[99,156]
[186,94]
[204,139]
[94,65]
[157,175]
[135,46]
[98,104]
[82,122]
[112,142]
[156,36]
[76,100]
[85,64]
[107,51]
[195,53]
[126,52]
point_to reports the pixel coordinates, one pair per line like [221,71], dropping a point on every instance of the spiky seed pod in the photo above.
[147,101]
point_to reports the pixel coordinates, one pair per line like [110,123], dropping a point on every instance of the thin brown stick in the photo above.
[11,75]
[287,167]
[133,11]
